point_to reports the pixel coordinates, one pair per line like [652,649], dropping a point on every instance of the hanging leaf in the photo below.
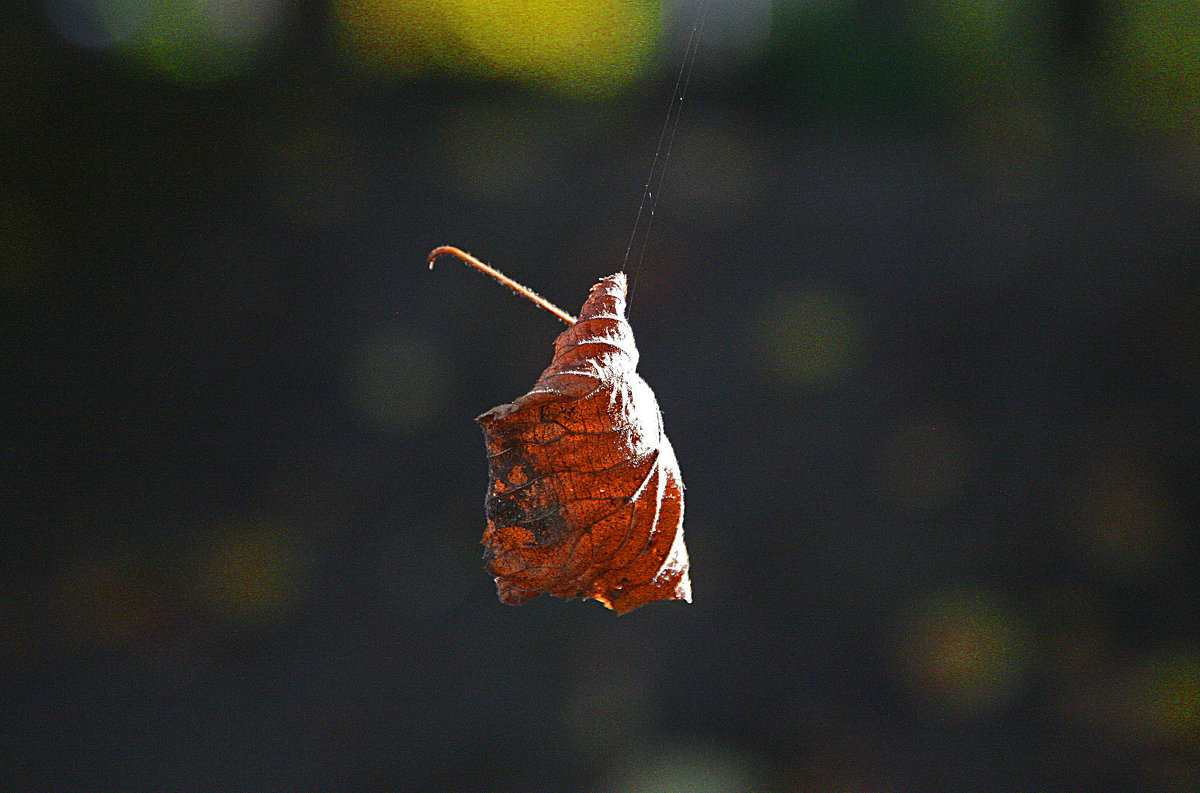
[584,497]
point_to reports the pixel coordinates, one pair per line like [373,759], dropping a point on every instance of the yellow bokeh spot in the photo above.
[1122,515]
[250,574]
[1162,704]
[964,653]
[813,338]
[577,46]
[1177,696]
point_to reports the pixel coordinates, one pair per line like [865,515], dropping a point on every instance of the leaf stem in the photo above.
[523,291]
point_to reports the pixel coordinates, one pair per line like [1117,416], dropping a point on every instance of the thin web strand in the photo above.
[670,127]
[667,134]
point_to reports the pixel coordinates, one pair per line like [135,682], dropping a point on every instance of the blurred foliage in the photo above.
[919,305]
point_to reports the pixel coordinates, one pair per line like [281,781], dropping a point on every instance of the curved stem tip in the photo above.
[523,291]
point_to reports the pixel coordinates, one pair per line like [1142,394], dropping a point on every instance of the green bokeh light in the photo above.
[1153,60]
[398,382]
[191,43]
[250,575]
[575,46]
[814,338]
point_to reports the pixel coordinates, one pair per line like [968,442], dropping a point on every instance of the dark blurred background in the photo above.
[919,304]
